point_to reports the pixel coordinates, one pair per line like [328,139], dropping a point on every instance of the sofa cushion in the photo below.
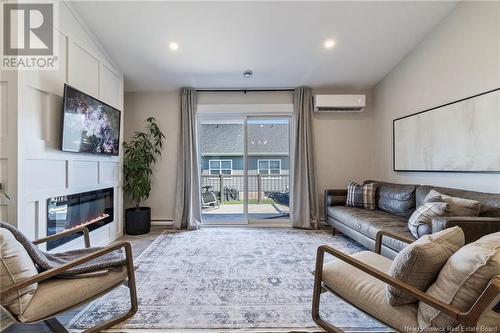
[461,280]
[360,196]
[56,295]
[490,203]
[369,222]
[15,266]
[419,263]
[458,206]
[420,222]
[396,199]
[367,292]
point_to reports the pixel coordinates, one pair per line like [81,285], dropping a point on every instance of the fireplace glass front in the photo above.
[90,209]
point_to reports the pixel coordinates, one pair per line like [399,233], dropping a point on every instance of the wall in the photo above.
[342,141]
[43,170]
[459,58]
[165,108]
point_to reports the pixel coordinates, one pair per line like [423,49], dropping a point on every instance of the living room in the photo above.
[250,166]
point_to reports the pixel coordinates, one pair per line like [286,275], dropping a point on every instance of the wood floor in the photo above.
[139,244]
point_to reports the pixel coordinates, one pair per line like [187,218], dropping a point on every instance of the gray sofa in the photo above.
[394,205]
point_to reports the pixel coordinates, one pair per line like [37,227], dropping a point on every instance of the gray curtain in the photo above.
[305,207]
[187,205]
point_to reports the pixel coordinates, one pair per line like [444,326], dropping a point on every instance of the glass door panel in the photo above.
[222,176]
[268,168]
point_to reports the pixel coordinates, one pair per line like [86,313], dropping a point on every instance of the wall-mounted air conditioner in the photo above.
[339,103]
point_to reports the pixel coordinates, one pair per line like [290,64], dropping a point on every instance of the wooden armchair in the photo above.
[360,280]
[54,296]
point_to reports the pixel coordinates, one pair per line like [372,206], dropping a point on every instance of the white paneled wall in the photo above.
[43,169]
[3,145]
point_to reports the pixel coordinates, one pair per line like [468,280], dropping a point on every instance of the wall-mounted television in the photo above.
[89,125]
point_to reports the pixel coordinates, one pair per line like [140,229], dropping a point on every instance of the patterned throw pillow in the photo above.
[460,282]
[361,196]
[420,222]
[458,206]
[419,263]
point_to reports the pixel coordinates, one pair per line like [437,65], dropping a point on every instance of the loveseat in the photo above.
[394,205]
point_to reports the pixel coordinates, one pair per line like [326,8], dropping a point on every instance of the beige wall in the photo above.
[341,140]
[460,58]
[164,106]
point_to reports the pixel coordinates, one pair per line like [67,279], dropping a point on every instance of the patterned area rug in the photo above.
[219,278]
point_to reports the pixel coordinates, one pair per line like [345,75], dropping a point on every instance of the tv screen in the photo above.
[89,125]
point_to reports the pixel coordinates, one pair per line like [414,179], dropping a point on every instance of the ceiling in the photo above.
[282,42]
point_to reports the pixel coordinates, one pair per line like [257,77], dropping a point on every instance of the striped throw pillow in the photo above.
[420,222]
[419,263]
[361,196]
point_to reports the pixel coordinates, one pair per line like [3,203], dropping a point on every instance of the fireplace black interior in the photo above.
[91,209]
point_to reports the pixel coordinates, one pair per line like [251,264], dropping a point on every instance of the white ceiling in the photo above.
[282,42]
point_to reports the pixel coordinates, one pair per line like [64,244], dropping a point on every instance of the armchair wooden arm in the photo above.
[60,269]
[53,324]
[469,318]
[83,230]
[381,234]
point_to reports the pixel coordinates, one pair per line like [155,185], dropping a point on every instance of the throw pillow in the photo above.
[15,265]
[361,196]
[419,263]
[462,279]
[420,222]
[458,206]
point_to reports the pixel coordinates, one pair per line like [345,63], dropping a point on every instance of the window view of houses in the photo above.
[223,159]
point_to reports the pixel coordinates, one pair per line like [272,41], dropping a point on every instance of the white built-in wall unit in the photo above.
[34,133]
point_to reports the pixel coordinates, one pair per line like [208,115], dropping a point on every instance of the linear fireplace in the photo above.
[91,209]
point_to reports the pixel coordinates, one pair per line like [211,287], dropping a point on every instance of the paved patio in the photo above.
[252,209]
[234,213]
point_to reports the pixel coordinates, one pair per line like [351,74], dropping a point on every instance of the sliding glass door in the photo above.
[222,160]
[268,168]
[245,169]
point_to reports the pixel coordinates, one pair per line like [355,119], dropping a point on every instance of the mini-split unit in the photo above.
[339,103]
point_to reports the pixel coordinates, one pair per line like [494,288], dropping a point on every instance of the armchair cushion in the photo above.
[462,279]
[57,295]
[419,263]
[15,266]
[367,292]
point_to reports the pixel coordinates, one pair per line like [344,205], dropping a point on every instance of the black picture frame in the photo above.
[62,148]
[428,110]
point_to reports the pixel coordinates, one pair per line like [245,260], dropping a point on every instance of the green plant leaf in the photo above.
[140,154]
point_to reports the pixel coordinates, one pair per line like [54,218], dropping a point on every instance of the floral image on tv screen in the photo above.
[90,126]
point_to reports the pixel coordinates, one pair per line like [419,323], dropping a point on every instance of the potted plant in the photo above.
[141,153]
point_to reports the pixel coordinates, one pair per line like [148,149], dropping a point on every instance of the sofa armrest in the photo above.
[334,198]
[474,227]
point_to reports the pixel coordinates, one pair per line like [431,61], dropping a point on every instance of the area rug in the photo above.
[229,278]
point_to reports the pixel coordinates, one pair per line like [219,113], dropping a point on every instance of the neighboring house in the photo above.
[222,148]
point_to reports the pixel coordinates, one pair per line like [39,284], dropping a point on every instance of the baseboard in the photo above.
[162,221]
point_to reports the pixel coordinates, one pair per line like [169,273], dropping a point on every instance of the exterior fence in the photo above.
[259,186]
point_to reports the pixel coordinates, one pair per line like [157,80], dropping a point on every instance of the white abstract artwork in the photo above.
[463,136]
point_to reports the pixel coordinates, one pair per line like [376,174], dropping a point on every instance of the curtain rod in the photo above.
[246,90]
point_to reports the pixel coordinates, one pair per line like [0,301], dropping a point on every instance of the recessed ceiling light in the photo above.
[173,46]
[247,74]
[329,44]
